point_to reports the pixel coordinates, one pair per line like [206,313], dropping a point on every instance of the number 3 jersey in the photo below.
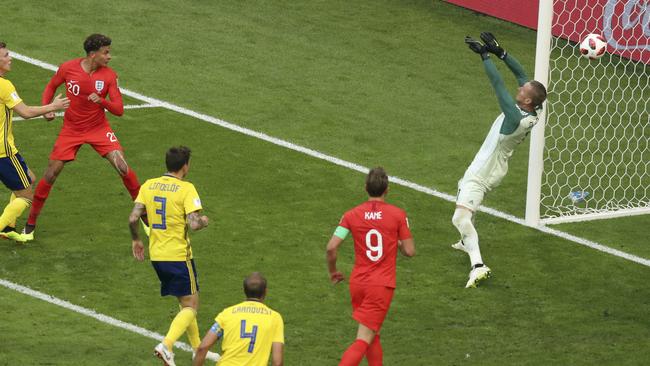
[84,114]
[168,201]
[376,227]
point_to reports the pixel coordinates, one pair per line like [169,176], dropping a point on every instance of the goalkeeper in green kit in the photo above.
[490,165]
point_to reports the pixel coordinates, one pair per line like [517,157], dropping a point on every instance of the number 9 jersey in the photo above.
[168,201]
[376,227]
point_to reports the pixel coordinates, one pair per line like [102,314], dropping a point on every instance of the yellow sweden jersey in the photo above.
[249,330]
[9,99]
[168,201]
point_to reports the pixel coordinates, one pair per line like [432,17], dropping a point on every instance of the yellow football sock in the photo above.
[179,325]
[13,210]
[193,334]
[11,198]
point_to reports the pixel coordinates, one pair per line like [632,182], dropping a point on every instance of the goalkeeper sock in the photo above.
[13,210]
[131,183]
[40,195]
[354,354]
[178,326]
[375,354]
[462,220]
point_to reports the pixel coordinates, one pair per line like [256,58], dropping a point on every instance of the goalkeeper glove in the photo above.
[477,47]
[492,45]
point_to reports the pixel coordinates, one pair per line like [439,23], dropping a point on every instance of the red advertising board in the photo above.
[625,24]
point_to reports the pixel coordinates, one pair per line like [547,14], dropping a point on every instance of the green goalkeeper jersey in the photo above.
[509,129]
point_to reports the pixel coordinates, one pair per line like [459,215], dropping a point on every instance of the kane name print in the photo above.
[372,215]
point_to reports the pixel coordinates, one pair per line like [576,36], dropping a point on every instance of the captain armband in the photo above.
[216,329]
[341,232]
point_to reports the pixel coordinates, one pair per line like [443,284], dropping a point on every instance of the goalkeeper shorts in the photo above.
[470,192]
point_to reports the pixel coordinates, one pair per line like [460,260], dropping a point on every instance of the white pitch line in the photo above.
[98,316]
[128,106]
[349,165]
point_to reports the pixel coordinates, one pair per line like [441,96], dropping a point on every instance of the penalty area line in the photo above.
[353,166]
[97,316]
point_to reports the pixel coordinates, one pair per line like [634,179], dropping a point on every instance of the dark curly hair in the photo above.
[96,41]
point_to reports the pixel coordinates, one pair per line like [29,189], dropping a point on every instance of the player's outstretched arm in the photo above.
[494,47]
[211,337]
[506,102]
[407,247]
[197,221]
[52,85]
[27,111]
[517,70]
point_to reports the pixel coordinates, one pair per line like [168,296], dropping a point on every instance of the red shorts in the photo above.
[370,304]
[101,138]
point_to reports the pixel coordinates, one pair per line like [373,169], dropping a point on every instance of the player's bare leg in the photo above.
[116,159]
[54,168]
[463,221]
[130,180]
[357,350]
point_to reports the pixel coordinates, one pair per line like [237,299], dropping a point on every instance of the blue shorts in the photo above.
[177,278]
[13,173]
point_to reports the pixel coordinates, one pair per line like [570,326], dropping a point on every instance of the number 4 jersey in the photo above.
[249,330]
[168,201]
[376,227]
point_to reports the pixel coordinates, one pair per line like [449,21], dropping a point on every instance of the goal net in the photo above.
[596,157]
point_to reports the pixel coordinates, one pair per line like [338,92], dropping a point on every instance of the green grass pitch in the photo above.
[372,82]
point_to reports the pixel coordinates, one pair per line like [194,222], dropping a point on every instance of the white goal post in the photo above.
[590,152]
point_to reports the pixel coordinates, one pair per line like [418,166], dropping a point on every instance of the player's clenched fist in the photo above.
[93,97]
[337,277]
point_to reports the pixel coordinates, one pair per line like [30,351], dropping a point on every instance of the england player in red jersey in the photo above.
[379,230]
[92,88]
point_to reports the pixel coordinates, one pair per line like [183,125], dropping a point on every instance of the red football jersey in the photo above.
[376,227]
[83,114]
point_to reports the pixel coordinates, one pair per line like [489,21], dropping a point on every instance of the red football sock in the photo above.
[375,355]
[40,195]
[354,354]
[131,183]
